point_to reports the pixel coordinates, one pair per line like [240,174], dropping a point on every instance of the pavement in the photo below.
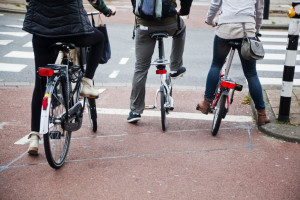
[139,161]
[277,19]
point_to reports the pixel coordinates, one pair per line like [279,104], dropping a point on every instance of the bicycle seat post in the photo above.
[161,52]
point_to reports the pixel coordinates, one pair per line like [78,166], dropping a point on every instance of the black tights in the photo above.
[44,54]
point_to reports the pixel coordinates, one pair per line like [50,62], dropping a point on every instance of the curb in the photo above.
[279,131]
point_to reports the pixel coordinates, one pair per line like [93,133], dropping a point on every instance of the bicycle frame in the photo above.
[226,84]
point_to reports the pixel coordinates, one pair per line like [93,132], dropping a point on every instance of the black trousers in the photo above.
[44,54]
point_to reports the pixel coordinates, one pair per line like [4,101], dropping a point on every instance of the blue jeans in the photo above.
[221,50]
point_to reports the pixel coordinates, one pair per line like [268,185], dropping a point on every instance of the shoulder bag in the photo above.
[252,49]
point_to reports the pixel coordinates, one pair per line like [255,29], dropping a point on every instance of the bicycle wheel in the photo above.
[162,107]
[219,112]
[57,140]
[92,111]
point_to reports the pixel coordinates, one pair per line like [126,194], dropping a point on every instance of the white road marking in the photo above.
[265,39]
[7,67]
[271,56]
[273,67]
[123,61]
[20,54]
[15,26]
[274,33]
[114,74]
[1,15]
[18,34]
[276,81]
[28,44]
[275,47]
[177,115]
[5,42]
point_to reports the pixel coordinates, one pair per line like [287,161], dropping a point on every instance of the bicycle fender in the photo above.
[44,126]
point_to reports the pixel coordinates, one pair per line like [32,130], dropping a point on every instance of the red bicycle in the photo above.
[221,102]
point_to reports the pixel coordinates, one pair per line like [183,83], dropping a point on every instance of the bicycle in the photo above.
[165,90]
[62,108]
[221,102]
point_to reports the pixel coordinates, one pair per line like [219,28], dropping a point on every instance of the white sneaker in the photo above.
[87,88]
[34,143]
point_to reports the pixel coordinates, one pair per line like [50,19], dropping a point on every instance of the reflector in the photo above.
[161,71]
[45,72]
[45,103]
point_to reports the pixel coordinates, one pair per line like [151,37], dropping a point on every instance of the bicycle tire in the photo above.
[162,107]
[92,111]
[219,112]
[57,140]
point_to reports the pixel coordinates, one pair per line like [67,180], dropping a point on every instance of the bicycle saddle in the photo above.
[61,46]
[235,44]
[157,35]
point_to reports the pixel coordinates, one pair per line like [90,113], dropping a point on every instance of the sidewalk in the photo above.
[277,20]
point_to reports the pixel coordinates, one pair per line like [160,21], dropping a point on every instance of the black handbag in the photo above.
[252,49]
[106,52]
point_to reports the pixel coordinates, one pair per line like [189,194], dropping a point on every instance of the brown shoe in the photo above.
[262,117]
[204,105]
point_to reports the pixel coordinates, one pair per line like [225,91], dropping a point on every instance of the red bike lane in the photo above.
[139,161]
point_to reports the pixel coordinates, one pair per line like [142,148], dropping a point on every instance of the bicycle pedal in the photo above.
[238,87]
[171,108]
[149,106]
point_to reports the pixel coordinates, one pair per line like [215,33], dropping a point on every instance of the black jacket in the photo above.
[57,18]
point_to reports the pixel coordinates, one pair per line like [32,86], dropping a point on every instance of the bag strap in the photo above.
[93,21]
[245,34]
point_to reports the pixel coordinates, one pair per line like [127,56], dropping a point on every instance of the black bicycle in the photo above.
[62,106]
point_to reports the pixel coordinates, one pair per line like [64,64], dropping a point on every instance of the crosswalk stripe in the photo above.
[7,67]
[114,74]
[284,33]
[275,47]
[123,61]
[20,54]
[265,39]
[28,44]
[273,67]
[5,42]
[15,26]
[276,81]
[271,56]
[176,115]
[18,34]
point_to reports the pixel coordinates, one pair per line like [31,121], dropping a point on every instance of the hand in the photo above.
[113,9]
[214,24]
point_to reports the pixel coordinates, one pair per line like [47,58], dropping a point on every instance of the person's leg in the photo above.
[96,42]
[43,55]
[177,46]
[144,47]
[255,89]
[220,51]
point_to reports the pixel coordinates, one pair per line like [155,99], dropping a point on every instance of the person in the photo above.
[51,21]
[144,48]
[230,28]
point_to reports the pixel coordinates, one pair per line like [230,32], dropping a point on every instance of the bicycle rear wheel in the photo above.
[162,107]
[92,111]
[219,112]
[57,140]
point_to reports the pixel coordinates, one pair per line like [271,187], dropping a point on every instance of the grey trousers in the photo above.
[144,48]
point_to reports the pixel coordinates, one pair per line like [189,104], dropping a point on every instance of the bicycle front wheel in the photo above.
[219,112]
[92,111]
[162,107]
[57,140]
